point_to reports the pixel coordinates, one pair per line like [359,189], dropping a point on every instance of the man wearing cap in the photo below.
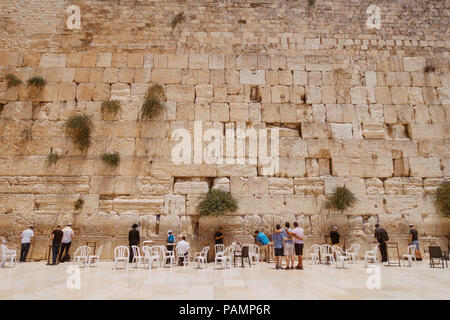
[414,241]
[170,240]
[133,240]
[27,235]
[68,234]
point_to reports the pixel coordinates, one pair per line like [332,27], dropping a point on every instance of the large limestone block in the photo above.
[301,204]
[429,131]
[120,92]
[204,93]
[187,187]
[281,185]
[17,111]
[310,185]
[258,185]
[182,93]
[252,77]
[222,184]
[425,167]
[198,61]
[444,95]
[280,94]
[174,204]
[52,60]
[314,130]
[414,64]
[370,167]
[166,76]
[247,61]
[341,131]
[290,167]
[374,131]
[269,204]
[313,94]
[239,112]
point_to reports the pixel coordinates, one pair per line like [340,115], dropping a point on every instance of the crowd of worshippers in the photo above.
[287,242]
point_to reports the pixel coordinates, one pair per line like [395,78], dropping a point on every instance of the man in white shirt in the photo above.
[66,242]
[298,243]
[182,250]
[27,235]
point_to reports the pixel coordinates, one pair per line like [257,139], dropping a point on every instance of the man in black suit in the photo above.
[381,236]
[133,240]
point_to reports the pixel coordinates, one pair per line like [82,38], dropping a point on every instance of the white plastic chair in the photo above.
[121,254]
[370,255]
[8,257]
[185,256]
[223,258]
[254,253]
[151,254]
[137,260]
[339,257]
[202,257]
[167,256]
[313,253]
[326,251]
[81,255]
[219,248]
[95,257]
[411,255]
[353,252]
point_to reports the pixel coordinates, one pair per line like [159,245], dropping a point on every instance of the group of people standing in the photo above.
[61,241]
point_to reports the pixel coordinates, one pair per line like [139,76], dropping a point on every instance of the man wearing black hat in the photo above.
[133,240]
[381,236]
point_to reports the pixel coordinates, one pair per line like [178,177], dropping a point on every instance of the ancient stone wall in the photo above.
[365,108]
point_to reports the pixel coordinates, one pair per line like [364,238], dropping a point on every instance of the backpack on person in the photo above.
[171,238]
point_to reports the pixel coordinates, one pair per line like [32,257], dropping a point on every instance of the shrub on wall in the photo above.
[79,128]
[153,104]
[443,199]
[12,80]
[340,199]
[217,202]
[36,81]
[111,159]
[110,107]
[177,19]
[78,204]
[52,159]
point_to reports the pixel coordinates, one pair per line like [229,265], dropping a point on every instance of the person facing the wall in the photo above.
[381,236]
[170,240]
[263,241]
[133,240]
[414,241]
[56,238]
[335,236]
[27,235]
[277,238]
[66,243]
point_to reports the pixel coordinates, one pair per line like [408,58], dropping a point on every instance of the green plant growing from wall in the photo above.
[429,68]
[153,104]
[52,159]
[178,18]
[78,204]
[311,3]
[26,134]
[217,202]
[12,80]
[442,199]
[36,82]
[110,107]
[79,128]
[340,199]
[111,159]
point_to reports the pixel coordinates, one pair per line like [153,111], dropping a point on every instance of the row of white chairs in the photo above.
[155,255]
[224,256]
[335,255]
[323,253]
[82,255]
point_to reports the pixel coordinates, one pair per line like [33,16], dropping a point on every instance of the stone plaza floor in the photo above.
[36,280]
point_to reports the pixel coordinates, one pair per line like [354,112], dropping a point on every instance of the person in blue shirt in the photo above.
[263,242]
[277,238]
